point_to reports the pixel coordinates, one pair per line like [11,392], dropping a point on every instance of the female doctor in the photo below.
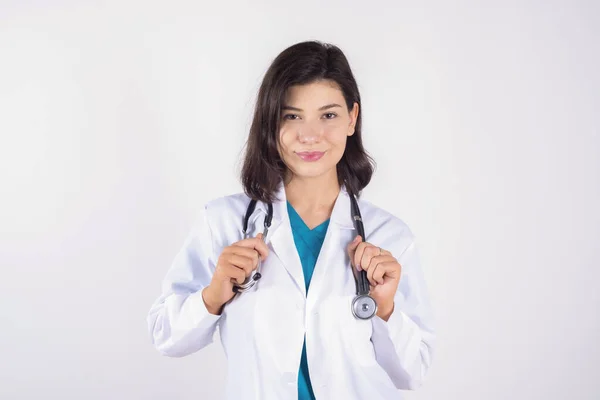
[293,335]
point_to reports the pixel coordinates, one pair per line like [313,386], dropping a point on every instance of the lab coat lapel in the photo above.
[282,241]
[333,252]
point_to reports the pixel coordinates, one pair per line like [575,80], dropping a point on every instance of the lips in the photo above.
[311,155]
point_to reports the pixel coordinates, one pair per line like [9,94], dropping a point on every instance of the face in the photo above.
[315,124]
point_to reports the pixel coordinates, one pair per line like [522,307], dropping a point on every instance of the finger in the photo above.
[387,269]
[244,251]
[235,274]
[354,244]
[369,252]
[246,263]
[358,254]
[243,263]
[255,243]
[351,248]
[379,262]
[380,272]
[374,268]
[393,269]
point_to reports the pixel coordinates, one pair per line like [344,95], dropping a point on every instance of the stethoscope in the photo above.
[363,305]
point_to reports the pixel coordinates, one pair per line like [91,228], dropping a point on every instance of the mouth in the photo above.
[311,155]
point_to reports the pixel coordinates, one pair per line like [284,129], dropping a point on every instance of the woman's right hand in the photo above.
[234,265]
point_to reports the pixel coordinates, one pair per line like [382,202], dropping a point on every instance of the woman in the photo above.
[293,334]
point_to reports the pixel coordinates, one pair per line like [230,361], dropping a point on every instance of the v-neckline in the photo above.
[304,225]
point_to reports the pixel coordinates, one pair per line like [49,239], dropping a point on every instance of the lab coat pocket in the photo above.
[238,314]
[359,334]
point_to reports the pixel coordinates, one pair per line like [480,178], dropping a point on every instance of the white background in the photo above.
[119,119]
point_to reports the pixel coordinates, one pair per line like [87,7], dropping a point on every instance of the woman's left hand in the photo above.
[383,271]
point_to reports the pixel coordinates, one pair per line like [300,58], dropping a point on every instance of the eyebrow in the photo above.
[326,107]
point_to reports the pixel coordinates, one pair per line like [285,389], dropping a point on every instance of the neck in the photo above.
[313,195]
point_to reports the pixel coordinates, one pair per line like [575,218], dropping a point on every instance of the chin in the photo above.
[311,172]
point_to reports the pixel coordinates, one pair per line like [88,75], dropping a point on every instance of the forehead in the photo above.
[314,93]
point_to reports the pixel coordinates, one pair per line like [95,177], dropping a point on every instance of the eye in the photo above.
[330,115]
[291,117]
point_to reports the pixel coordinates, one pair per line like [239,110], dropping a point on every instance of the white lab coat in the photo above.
[262,331]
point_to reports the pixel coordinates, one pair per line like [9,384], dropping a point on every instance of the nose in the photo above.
[309,133]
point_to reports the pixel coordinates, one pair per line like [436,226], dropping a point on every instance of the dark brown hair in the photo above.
[302,63]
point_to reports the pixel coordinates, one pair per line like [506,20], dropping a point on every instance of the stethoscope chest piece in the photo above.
[364,307]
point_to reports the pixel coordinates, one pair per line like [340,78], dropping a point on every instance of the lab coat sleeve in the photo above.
[404,344]
[178,321]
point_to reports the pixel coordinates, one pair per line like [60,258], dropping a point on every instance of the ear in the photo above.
[353,118]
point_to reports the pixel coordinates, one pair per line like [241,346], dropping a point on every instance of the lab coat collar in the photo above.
[340,215]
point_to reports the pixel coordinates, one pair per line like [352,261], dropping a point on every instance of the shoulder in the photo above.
[227,209]
[229,204]
[384,228]
[222,218]
[379,216]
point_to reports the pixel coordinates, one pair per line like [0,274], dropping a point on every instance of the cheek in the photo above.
[286,139]
[336,136]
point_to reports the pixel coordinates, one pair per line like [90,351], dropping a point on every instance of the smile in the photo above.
[311,155]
